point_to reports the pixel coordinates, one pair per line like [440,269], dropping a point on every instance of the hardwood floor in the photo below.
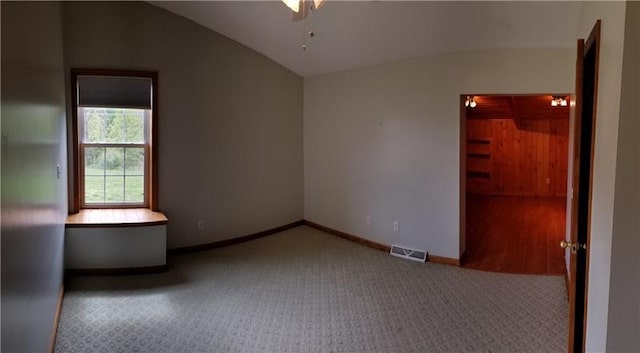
[515,234]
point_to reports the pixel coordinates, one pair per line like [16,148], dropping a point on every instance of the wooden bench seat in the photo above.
[115,240]
[129,217]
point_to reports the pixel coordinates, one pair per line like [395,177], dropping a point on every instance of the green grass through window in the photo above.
[114,187]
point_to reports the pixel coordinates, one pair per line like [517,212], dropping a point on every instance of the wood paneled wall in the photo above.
[522,157]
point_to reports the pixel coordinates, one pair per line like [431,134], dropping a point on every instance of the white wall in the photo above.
[623,329]
[384,141]
[34,200]
[230,119]
[604,164]
[115,247]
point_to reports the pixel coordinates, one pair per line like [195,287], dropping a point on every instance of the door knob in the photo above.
[566,244]
[572,246]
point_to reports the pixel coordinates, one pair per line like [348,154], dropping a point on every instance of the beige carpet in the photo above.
[306,291]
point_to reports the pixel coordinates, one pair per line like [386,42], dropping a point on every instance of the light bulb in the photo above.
[294,5]
[563,102]
[473,104]
[554,102]
[466,102]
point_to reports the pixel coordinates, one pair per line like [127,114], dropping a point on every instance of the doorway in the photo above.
[515,160]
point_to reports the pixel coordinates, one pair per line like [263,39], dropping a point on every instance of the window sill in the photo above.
[111,217]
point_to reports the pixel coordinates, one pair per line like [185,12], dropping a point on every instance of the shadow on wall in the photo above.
[34,183]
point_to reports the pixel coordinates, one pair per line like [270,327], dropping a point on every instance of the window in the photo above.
[114,139]
[113,148]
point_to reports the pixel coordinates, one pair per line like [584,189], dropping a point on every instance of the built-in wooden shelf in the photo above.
[479,155]
[480,175]
[122,217]
[479,164]
[479,141]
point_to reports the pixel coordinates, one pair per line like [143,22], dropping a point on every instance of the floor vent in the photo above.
[407,253]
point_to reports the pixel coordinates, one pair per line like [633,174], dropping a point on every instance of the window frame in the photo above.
[77,201]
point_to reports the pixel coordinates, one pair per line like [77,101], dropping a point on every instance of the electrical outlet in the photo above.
[367,220]
[395,226]
[200,225]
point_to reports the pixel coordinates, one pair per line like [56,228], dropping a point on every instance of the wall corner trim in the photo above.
[233,241]
[443,260]
[353,238]
[56,320]
[376,245]
[117,271]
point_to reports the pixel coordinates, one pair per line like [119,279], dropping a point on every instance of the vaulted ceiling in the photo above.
[351,34]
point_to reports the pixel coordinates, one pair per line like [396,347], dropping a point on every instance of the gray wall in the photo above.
[34,201]
[230,119]
[623,330]
[384,141]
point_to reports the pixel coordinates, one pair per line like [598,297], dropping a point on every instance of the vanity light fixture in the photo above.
[470,102]
[559,101]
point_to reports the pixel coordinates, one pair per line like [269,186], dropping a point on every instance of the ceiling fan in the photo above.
[302,8]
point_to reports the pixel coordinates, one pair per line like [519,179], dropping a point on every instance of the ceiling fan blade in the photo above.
[305,8]
[303,11]
[298,16]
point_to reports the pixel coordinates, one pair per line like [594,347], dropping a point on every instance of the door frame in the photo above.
[580,193]
[462,168]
